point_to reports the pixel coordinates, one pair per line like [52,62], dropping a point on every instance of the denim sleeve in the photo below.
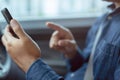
[41,71]
[76,62]
[117,72]
[83,56]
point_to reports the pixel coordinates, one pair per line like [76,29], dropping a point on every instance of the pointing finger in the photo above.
[55,26]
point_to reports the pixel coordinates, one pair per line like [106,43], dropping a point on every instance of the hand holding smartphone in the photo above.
[8,18]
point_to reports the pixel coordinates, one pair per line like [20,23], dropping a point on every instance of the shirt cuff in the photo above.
[41,71]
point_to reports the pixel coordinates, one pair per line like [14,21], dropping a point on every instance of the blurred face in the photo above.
[116,1]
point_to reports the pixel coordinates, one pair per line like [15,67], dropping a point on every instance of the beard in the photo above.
[112,0]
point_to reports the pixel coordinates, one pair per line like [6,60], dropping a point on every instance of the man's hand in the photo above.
[62,40]
[23,50]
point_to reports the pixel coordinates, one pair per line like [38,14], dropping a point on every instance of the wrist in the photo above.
[76,62]
[25,62]
[72,53]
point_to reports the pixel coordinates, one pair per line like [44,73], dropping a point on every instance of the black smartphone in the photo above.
[5,12]
[6,15]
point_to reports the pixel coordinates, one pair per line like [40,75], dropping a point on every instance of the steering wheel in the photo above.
[5,61]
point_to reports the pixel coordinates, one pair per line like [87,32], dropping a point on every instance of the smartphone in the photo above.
[5,12]
[6,15]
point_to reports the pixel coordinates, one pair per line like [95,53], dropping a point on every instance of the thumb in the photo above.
[66,43]
[16,27]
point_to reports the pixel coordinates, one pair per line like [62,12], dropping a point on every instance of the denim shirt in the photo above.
[106,62]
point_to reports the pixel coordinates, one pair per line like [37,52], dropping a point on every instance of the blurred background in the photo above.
[77,15]
[38,9]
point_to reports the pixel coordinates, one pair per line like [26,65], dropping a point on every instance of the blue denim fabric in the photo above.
[106,58]
[40,71]
[107,55]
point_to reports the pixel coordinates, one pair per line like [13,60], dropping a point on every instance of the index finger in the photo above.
[55,26]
